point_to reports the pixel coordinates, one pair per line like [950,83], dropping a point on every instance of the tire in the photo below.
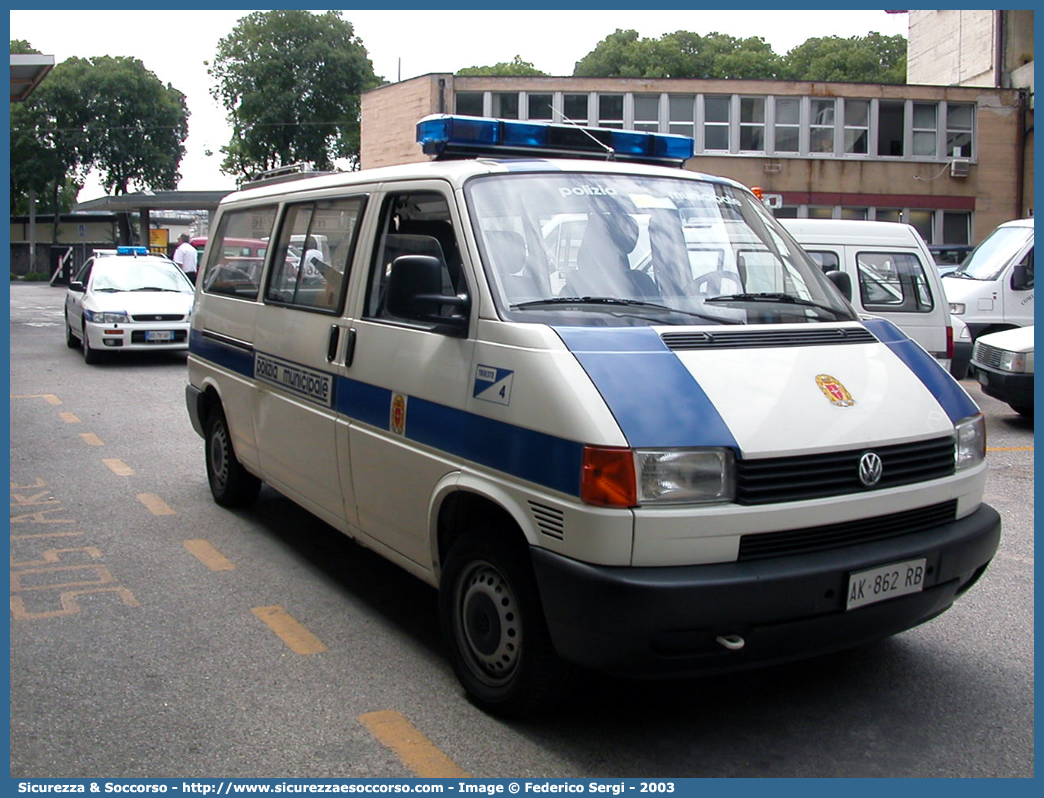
[494,627]
[90,356]
[1023,410]
[230,483]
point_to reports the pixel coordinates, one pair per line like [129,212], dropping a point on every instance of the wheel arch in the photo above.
[459,501]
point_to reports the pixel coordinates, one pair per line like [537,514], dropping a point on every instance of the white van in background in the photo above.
[892,272]
[992,290]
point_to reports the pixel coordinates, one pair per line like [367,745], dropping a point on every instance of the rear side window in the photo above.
[893,281]
[828,261]
[310,265]
[237,253]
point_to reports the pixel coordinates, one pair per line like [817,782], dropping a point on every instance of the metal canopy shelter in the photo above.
[26,73]
[144,202]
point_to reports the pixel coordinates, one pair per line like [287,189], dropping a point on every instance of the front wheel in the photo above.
[494,626]
[90,356]
[71,340]
[230,483]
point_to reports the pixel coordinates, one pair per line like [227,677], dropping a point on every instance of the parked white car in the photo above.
[1002,362]
[126,299]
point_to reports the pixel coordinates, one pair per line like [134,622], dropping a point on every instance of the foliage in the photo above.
[290,82]
[514,68]
[683,54]
[109,114]
[860,59]
[137,125]
[22,47]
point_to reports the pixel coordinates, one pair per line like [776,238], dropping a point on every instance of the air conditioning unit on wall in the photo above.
[960,167]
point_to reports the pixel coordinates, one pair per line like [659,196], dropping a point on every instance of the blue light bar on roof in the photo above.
[132,250]
[448,136]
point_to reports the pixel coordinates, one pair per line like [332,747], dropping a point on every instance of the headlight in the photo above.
[1012,361]
[685,476]
[971,441]
[957,308]
[107,317]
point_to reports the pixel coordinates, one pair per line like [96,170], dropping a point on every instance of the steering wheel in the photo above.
[711,282]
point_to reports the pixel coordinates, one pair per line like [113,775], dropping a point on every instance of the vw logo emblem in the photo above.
[870,469]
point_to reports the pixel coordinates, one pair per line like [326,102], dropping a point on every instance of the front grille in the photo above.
[849,533]
[988,355]
[785,479]
[159,317]
[138,337]
[754,339]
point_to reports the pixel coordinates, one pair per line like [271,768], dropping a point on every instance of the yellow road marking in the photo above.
[299,639]
[413,749]
[205,552]
[91,439]
[69,418]
[119,467]
[50,398]
[1009,448]
[155,504]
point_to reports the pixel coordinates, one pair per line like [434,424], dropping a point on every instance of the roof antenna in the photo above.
[610,153]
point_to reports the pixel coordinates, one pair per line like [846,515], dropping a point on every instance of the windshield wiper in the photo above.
[787,299]
[610,300]
[154,288]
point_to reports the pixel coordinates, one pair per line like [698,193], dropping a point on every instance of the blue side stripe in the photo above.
[943,387]
[534,456]
[230,357]
[654,398]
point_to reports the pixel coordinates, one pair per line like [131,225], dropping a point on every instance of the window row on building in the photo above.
[935,226]
[794,126]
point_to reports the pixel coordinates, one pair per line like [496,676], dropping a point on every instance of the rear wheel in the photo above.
[1023,410]
[494,626]
[230,483]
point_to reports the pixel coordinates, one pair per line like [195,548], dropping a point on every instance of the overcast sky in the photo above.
[400,43]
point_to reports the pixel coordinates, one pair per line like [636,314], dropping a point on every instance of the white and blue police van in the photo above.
[605,405]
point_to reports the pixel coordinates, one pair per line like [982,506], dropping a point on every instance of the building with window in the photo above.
[945,159]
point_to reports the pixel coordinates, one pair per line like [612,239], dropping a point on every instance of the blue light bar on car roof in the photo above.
[447,136]
[132,250]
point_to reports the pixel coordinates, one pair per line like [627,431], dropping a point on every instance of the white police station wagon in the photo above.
[705,463]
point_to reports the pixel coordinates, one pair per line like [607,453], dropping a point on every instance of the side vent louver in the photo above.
[550,521]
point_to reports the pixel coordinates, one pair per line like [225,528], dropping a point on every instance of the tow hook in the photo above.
[731,642]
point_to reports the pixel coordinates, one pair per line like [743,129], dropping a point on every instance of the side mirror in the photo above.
[415,294]
[76,285]
[843,282]
[1022,277]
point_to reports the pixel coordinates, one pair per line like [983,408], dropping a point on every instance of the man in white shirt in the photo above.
[186,257]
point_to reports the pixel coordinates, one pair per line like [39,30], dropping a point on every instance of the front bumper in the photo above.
[1010,387]
[666,621]
[138,336]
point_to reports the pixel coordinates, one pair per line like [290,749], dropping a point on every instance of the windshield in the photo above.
[608,249]
[134,274]
[997,250]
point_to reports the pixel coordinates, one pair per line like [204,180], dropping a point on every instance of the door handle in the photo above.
[331,346]
[349,350]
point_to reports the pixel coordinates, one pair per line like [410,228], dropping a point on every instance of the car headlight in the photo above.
[970,448]
[107,316]
[957,308]
[1012,361]
[685,476]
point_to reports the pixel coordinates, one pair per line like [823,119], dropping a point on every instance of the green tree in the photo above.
[290,82]
[137,126]
[515,67]
[49,150]
[860,59]
[682,54]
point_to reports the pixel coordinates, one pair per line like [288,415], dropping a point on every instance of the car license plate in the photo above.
[885,582]
[159,335]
